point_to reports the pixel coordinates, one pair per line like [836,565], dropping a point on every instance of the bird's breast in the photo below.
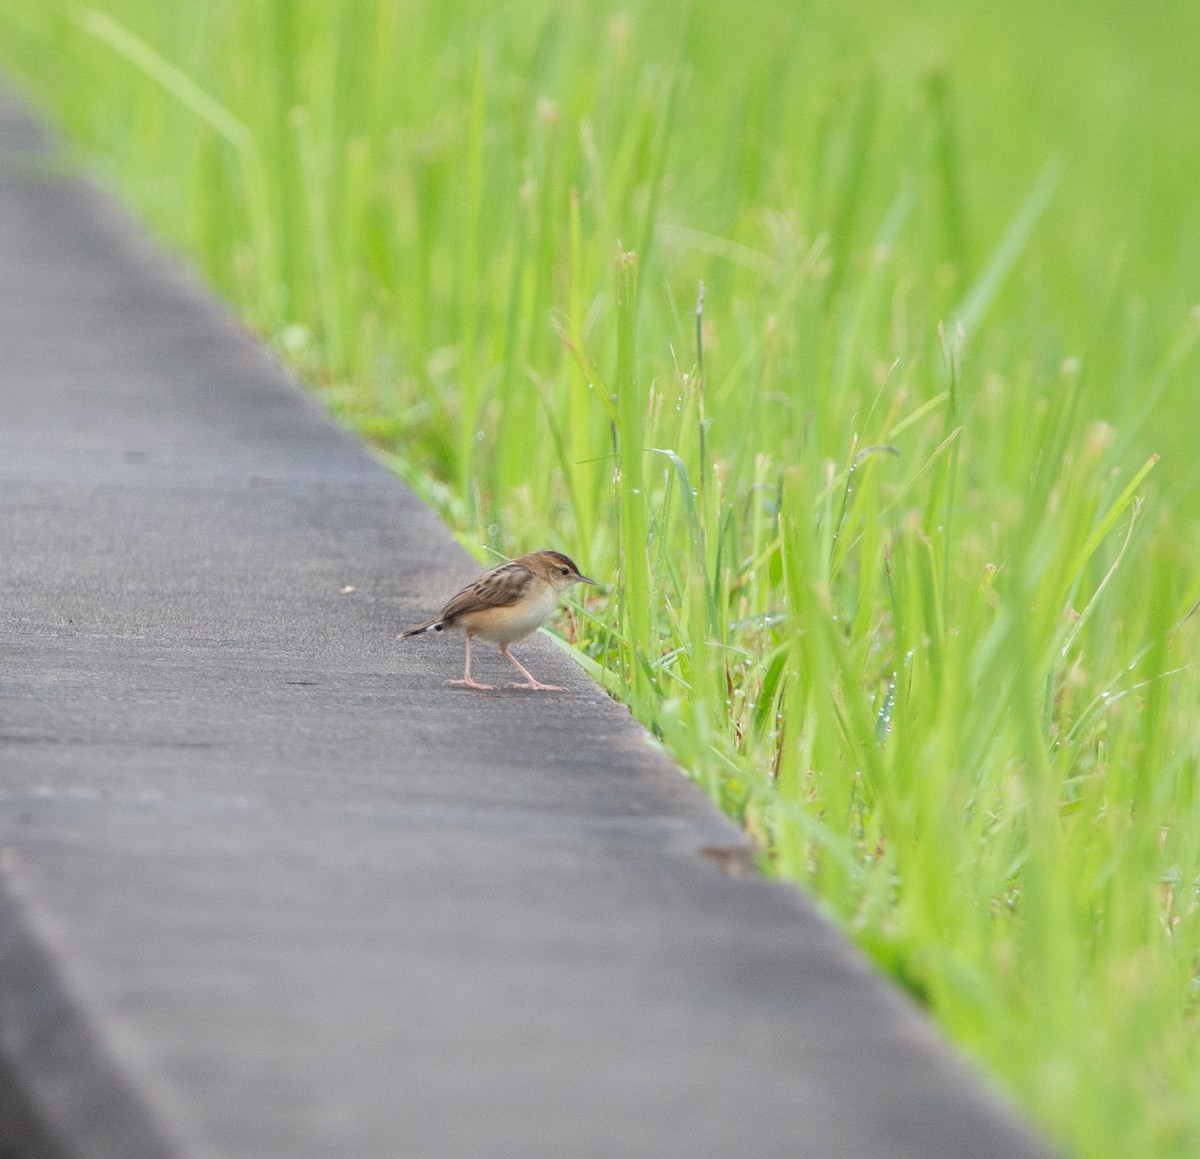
[504,625]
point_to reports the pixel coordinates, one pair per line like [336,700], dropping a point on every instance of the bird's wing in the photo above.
[501,587]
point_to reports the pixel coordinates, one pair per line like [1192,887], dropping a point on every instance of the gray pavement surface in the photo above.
[267,888]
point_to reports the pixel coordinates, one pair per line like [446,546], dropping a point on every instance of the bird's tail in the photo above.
[428,626]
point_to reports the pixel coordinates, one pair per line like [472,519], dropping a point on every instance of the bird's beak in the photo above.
[584,580]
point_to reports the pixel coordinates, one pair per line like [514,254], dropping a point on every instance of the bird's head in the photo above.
[559,569]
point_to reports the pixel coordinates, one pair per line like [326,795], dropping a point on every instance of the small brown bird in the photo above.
[504,605]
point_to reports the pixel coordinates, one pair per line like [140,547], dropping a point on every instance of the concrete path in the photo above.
[267,889]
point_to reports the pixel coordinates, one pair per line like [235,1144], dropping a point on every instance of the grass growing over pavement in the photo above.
[899,511]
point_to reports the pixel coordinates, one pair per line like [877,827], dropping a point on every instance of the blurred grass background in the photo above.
[853,344]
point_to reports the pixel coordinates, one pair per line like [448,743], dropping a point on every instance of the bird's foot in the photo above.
[469,684]
[538,686]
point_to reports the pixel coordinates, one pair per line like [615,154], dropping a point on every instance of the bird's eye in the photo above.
[565,570]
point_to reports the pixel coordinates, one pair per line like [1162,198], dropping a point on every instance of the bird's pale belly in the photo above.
[504,625]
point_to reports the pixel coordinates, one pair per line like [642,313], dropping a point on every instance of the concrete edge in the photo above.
[58,1084]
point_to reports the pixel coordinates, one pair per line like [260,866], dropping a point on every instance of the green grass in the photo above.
[899,513]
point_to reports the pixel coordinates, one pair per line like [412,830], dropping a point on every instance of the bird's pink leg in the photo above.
[535,685]
[466,681]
